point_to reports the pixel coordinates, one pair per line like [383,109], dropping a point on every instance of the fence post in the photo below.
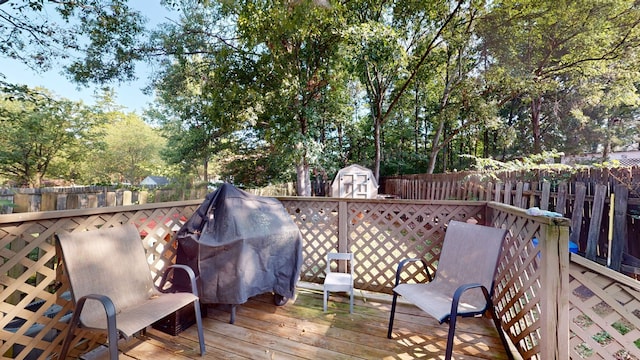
[126,197]
[554,294]
[110,199]
[343,228]
[61,202]
[143,196]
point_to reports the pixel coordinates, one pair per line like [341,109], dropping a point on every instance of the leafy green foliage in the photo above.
[547,61]
[101,37]
[266,91]
[39,131]
[488,168]
[131,151]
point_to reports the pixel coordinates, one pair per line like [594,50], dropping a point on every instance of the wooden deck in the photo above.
[300,330]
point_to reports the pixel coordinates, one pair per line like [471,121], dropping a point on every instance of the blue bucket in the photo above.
[573,247]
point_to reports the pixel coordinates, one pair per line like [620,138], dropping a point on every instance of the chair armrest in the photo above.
[112,331]
[461,289]
[404,262]
[109,309]
[185,268]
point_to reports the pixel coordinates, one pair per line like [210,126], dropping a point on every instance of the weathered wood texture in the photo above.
[530,292]
[604,314]
[582,195]
[300,330]
[89,197]
[380,232]
[33,307]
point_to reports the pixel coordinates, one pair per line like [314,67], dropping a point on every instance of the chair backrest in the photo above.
[333,256]
[470,254]
[107,261]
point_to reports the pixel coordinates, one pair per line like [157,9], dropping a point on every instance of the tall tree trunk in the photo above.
[205,165]
[416,120]
[303,175]
[378,145]
[303,183]
[536,104]
[435,148]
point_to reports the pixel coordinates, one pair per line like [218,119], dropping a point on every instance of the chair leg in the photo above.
[450,336]
[112,331]
[67,339]
[196,306]
[325,298]
[113,343]
[503,338]
[393,313]
[351,302]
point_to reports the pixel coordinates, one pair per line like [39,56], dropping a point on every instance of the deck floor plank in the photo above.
[301,330]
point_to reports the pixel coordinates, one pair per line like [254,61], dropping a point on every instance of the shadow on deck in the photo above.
[300,330]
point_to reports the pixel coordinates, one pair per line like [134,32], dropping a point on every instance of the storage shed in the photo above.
[354,181]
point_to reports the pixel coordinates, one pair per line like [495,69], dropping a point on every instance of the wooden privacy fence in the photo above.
[532,292]
[602,232]
[88,197]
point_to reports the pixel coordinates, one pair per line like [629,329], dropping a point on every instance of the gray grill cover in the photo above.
[240,245]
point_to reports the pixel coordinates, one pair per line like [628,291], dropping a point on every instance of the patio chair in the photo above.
[463,283]
[339,281]
[112,288]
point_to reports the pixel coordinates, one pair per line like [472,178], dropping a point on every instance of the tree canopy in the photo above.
[266,91]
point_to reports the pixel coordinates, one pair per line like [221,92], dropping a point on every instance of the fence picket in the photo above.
[578,208]
[619,226]
[544,197]
[596,221]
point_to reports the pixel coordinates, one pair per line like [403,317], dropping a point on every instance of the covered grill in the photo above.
[241,245]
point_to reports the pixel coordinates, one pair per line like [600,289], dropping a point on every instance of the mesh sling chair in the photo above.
[112,287]
[463,283]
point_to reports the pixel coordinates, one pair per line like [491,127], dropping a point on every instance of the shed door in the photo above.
[355,185]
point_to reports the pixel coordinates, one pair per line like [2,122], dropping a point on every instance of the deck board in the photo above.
[301,330]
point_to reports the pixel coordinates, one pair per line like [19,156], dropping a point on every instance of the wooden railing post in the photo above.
[554,297]
[343,231]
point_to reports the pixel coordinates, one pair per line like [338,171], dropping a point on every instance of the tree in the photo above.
[605,111]
[390,43]
[40,32]
[203,90]
[295,47]
[38,130]
[539,51]
[260,67]
[131,151]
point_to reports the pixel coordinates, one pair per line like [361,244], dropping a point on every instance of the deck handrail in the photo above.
[30,273]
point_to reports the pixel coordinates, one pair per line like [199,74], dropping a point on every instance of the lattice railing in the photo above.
[317,219]
[34,302]
[380,233]
[604,318]
[530,282]
[529,288]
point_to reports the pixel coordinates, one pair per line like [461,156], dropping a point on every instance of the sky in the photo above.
[129,95]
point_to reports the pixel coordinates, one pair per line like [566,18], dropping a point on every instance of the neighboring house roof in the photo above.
[155,180]
[626,158]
